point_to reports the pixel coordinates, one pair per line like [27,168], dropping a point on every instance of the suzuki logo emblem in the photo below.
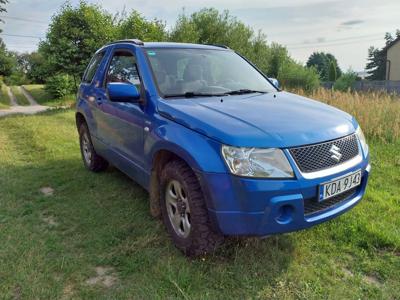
[336,155]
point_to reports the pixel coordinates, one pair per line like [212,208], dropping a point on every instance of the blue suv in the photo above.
[221,150]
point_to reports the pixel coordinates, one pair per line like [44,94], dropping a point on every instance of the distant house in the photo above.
[393,60]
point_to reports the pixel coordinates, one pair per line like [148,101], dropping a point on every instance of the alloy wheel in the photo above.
[86,148]
[178,208]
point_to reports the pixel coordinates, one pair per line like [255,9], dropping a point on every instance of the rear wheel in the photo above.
[184,211]
[91,159]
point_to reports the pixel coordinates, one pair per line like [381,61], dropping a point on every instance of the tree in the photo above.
[136,26]
[294,75]
[346,81]
[32,65]
[74,34]
[185,30]
[38,68]
[332,59]
[376,65]
[2,9]
[332,75]
[323,62]
[209,26]
[6,60]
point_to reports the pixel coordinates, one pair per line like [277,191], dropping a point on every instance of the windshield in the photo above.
[204,72]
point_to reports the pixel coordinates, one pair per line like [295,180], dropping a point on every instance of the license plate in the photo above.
[339,185]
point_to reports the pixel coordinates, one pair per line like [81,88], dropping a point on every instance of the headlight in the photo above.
[362,140]
[257,162]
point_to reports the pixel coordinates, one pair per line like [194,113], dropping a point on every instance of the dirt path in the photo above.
[13,100]
[28,96]
[33,108]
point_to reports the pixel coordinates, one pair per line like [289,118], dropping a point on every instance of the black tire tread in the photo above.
[202,239]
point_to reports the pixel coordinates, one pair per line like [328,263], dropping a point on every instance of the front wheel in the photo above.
[184,211]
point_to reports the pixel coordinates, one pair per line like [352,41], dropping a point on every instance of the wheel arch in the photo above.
[159,159]
[174,141]
[79,119]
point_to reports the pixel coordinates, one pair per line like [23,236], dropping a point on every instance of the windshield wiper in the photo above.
[194,94]
[244,91]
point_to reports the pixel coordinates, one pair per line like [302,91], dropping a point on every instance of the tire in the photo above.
[91,159]
[184,212]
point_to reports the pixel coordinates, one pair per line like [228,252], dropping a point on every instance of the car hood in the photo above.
[278,119]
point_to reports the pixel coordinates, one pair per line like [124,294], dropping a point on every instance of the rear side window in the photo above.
[92,67]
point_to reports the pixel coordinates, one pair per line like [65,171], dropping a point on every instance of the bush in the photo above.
[16,78]
[60,85]
[345,82]
[294,75]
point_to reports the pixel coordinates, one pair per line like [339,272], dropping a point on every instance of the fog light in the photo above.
[285,214]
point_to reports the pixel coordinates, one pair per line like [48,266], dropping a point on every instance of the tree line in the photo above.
[76,32]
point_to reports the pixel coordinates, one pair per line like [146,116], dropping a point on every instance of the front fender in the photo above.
[199,151]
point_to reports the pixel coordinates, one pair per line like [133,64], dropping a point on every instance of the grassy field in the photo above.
[67,233]
[378,113]
[44,98]
[21,99]
[4,99]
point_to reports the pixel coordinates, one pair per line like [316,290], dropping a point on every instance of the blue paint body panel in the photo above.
[129,135]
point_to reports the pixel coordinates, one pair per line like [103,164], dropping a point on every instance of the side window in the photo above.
[92,67]
[123,68]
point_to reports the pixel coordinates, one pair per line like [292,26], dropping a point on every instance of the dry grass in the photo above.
[378,113]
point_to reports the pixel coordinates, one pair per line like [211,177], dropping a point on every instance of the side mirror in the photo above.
[275,82]
[122,92]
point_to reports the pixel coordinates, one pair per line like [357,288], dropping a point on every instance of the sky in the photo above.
[345,28]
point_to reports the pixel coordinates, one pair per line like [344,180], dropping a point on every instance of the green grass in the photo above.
[42,97]
[4,99]
[21,99]
[51,245]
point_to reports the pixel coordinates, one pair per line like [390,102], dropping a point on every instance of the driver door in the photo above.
[127,138]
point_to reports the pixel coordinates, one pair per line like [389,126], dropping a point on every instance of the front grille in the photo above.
[317,157]
[312,206]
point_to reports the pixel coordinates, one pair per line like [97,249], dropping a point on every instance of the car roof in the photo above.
[182,45]
[160,45]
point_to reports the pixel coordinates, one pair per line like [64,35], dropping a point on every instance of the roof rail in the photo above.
[219,45]
[132,41]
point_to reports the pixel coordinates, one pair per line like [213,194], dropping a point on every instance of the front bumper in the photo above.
[260,207]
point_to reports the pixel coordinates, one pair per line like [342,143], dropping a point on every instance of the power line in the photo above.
[333,44]
[22,36]
[22,19]
[21,45]
[337,40]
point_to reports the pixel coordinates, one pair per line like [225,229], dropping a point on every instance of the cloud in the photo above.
[351,22]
